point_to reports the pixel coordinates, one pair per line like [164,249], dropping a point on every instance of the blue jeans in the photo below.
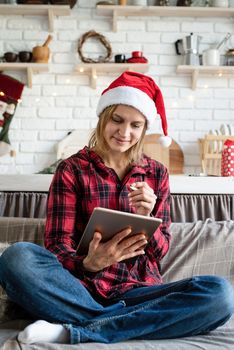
[34,279]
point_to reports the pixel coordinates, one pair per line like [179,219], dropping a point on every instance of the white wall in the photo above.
[60,100]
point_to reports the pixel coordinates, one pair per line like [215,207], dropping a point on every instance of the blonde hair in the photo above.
[97,141]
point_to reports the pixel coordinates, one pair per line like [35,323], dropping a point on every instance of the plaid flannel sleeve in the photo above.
[159,244]
[61,219]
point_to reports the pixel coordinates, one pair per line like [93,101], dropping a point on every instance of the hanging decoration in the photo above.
[10,93]
[103,41]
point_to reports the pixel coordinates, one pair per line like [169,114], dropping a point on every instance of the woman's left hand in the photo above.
[142,199]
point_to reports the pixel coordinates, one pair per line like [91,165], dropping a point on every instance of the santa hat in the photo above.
[138,91]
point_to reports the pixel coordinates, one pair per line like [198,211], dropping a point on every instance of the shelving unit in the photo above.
[29,68]
[161,11]
[195,71]
[93,69]
[36,10]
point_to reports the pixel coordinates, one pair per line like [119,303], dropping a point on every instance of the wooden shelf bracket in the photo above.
[196,71]
[28,68]
[36,10]
[195,74]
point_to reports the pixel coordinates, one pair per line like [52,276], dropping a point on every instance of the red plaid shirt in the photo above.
[83,182]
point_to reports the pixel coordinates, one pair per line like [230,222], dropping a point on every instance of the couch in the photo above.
[198,248]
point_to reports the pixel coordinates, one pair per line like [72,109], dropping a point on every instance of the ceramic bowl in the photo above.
[25,56]
[10,57]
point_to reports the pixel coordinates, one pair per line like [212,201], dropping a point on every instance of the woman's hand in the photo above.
[142,199]
[120,247]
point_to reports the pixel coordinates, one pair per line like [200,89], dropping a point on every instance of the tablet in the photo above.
[109,222]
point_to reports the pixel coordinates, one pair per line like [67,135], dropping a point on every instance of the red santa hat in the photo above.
[138,91]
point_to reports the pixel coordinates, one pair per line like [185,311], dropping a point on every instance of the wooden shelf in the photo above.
[36,10]
[195,71]
[29,68]
[162,11]
[93,69]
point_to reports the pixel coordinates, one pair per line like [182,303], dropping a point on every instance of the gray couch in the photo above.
[203,247]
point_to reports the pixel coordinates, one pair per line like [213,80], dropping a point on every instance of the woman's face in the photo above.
[124,128]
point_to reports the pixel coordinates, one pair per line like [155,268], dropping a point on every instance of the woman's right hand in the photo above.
[120,247]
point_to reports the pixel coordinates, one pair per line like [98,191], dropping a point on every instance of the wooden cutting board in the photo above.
[172,157]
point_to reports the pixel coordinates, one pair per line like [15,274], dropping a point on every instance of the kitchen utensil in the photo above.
[224,129]
[137,54]
[120,58]
[230,57]
[227,162]
[217,145]
[211,57]
[223,41]
[137,57]
[139,2]
[137,60]
[189,48]
[25,56]
[10,56]
[41,54]
[219,3]
[231,129]
[122,2]
[172,156]
[184,3]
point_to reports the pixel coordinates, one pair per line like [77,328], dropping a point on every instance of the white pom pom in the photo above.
[165,141]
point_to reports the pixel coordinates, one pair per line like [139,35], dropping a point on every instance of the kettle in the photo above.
[189,48]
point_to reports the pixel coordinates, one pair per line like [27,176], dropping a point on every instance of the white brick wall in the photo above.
[62,100]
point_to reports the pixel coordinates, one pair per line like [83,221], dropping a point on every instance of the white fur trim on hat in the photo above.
[129,96]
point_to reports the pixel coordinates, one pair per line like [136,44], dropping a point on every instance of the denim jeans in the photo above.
[34,279]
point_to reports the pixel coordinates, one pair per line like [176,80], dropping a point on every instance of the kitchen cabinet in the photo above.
[36,10]
[162,11]
[93,69]
[196,71]
[28,68]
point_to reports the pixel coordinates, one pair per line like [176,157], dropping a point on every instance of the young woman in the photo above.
[115,292]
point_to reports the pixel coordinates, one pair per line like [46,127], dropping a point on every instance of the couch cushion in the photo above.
[13,230]
[21,229]
[200,248]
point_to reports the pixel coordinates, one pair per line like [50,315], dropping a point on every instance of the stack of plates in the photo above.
[225,129]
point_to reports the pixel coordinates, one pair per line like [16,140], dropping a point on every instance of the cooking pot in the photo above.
[211,57]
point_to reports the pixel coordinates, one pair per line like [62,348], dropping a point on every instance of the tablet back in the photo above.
[109,222]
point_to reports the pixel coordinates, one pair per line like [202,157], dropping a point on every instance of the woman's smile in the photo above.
[121,140]
[124,128]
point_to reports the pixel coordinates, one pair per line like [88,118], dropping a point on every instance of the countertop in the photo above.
[178,184]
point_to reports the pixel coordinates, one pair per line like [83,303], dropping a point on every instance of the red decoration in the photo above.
[227,164]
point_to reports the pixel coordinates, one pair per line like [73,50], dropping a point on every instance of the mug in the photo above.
[120,58]
[139,2]
[211,57]
[219,3]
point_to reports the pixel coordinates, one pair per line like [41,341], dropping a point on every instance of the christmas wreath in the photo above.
[103,41]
